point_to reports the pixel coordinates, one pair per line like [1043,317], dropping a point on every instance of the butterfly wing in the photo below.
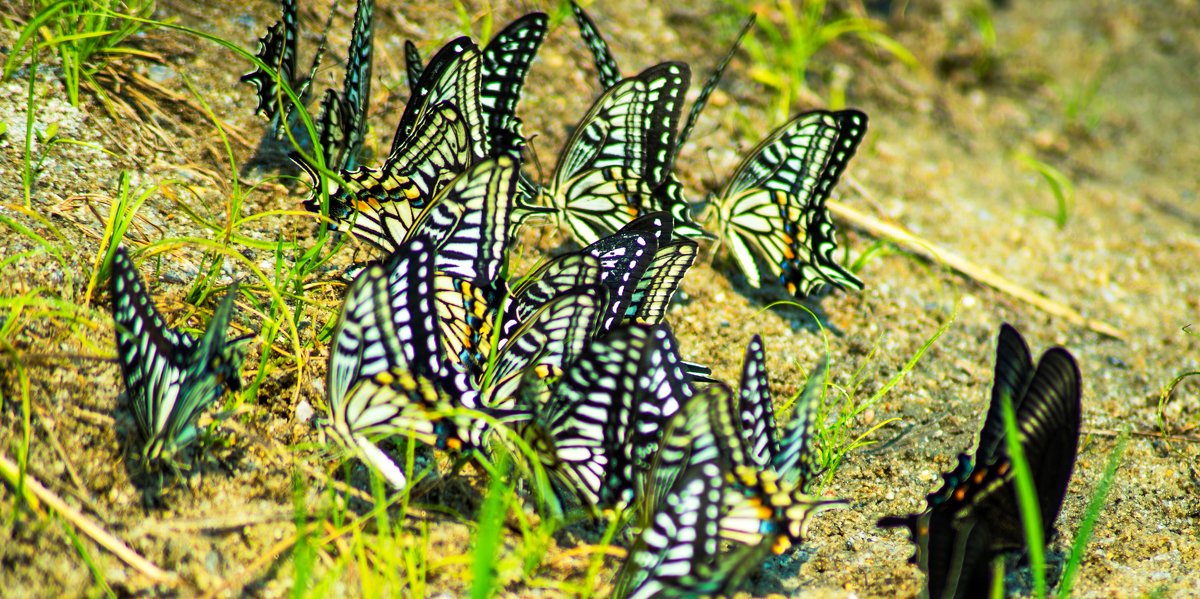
[606,66]
[169,376]
[755,406]
[1013,372]
[356,87]
[470,224]
[775,201]
[557,276]
[581,428]
[620,152]
[454,75]
[506,61]
[549,342]
[1049,420]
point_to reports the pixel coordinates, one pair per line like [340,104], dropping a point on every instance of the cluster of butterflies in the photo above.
[437,341]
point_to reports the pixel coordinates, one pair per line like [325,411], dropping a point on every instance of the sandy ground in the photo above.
[941,159]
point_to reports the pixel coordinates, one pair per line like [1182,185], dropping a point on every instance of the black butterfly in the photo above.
[975,516]
[619,153]
[774,204]
[170,377]
[670,197]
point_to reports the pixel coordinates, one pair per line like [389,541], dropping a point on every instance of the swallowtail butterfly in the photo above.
[170,377]
[710,517]
[619,153]
[670,196]
[974,516]
[794,456]
[774,204]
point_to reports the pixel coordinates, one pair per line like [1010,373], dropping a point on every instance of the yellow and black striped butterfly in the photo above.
[385,375]
[670,196]
[277,49]
[793,457]
[709,516]
[974,516]
[619,153]
[506,61]
[773,207]
[170,377]
[599,426]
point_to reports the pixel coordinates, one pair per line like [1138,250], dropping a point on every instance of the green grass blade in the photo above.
[1090,515]
[1027,499]
[488,534]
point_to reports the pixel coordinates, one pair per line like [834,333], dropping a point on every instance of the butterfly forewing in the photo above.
[506,61]
[797,461]
[755,406]
[585,420]
[470,226]
[551,340]
[356,87]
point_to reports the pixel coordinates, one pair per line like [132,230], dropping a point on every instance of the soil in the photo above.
[1103,91]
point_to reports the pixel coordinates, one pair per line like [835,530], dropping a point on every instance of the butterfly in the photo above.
[597,429]
[670,197]
[794,456]
[277,50]
[619,153]
[443,132]
[774,204]
[384,365]
[506,61]
[975,516]
[711,517]
[170,377]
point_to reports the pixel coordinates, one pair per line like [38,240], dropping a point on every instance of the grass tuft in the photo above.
[1060,186]
[789,34]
